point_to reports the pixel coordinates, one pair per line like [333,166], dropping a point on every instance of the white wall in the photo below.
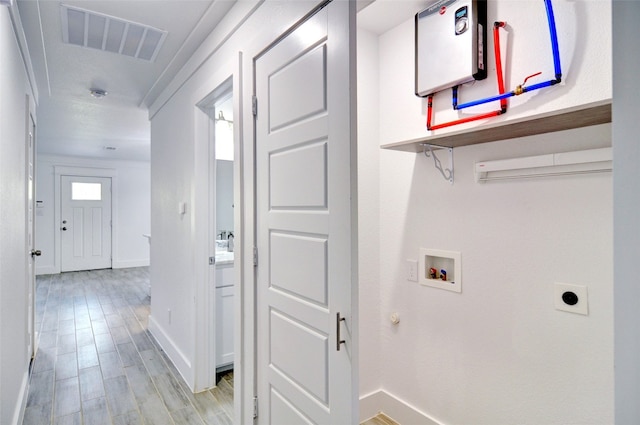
[499,352]
[626,156]
[131,210]
[14,358]
[369,247]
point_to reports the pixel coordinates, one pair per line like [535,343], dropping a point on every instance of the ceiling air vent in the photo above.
[97,31]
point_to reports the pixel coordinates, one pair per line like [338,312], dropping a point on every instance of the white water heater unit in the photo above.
[450,44]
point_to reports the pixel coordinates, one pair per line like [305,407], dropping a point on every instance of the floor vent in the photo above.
[98,31]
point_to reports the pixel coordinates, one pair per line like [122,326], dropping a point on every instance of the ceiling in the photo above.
[73,123]
[70,120]
[379,16]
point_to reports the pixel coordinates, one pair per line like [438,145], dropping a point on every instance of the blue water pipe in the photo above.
[521,88]
[554,40]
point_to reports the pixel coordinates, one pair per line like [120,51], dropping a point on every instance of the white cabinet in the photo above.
[224,274]
[224,315]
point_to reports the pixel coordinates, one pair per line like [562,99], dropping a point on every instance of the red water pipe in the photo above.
[501,89]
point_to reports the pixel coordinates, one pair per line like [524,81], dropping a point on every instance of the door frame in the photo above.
[60,171]
[30,158]
[225,80]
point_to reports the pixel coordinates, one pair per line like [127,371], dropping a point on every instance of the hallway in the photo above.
[97,363]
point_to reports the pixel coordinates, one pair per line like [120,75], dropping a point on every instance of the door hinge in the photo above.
[255,256]
[255,407]
[254,102]
[212,261]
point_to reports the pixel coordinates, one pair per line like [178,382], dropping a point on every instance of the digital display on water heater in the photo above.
[461,20]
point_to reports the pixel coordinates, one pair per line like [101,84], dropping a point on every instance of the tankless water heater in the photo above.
[450,44]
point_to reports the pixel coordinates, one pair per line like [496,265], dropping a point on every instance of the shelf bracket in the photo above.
[429,152]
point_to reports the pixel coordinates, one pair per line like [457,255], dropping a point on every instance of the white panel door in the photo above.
[305,200]
[86,223]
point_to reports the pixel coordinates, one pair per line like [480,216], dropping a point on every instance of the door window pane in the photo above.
[86,191]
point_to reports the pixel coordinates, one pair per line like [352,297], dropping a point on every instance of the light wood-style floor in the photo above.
[380,419]
[98,364]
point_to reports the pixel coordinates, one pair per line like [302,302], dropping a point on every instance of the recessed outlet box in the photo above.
[440,269]
[571,298]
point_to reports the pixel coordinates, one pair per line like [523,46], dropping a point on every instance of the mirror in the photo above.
[223,114]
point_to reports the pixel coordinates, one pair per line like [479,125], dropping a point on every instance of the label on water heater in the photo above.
[439,7]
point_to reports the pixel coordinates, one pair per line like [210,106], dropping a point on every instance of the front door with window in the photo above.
[85,223]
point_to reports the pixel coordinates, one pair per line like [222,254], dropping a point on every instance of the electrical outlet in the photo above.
[571,298]
[412,270]
[169,315]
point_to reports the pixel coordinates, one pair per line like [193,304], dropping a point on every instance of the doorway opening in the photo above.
[225,233]
[217,309]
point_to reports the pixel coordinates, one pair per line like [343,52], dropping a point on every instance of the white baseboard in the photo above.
[180,361]
[401,412]
[47,270]
[18,414]
[116,264]
[126,264]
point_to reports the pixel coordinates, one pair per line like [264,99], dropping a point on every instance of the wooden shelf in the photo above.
[564,119]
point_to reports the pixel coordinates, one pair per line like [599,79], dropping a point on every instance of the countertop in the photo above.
[224,258]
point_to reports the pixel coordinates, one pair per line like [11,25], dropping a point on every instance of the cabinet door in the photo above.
[224,326]
[224,275]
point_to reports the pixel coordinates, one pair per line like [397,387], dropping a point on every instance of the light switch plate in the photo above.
[412,270]
[571,298]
